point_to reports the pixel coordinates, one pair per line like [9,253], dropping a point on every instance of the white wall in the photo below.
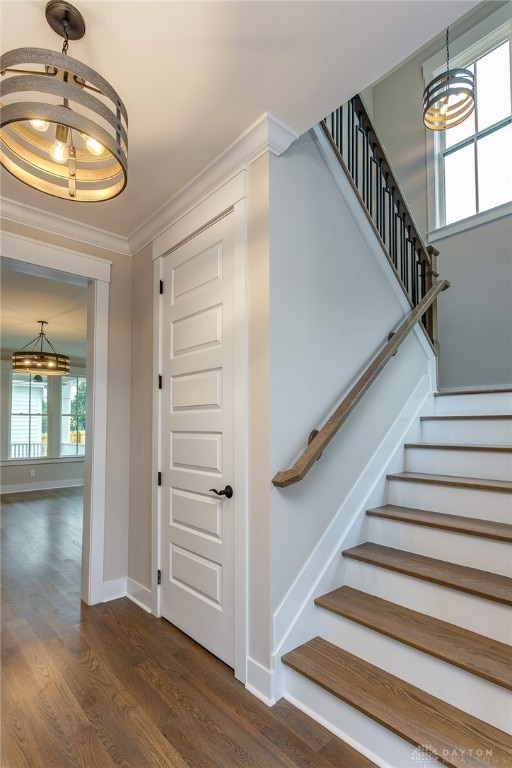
[475,319]
[322,299]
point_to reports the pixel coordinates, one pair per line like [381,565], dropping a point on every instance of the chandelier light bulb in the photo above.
[60,149]
[93,145]
[40,125]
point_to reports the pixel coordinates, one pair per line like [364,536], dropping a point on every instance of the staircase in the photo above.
[413,662]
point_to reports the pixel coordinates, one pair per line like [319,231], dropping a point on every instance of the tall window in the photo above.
[29,416]
[73,416]
[469,179]
[476,156]
[47,418]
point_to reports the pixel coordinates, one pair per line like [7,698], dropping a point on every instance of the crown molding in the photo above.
[59,225]
[267,134]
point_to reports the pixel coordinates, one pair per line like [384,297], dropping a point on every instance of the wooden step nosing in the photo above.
[467,526]
[412,714]
[458,392]
[463,447]
[369,554]
[459,653]
[452,481]
[470,417]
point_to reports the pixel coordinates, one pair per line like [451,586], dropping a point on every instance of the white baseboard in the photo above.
[46,485]
[140,595]
[260,682]
[114,589]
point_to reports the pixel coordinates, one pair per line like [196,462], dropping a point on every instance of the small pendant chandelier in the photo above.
[63,127]
[449,98]
[32,359]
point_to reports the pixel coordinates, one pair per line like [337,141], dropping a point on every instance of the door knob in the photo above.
[227,492]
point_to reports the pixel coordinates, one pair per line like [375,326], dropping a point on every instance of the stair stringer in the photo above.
[296,618]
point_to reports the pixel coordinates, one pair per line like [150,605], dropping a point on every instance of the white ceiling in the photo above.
[194,75]
[27,298]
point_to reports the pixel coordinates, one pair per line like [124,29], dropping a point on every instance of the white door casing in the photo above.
[198,439]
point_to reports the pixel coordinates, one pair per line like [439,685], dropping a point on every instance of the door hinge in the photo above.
[159,478]
[161,286]
[159,576]
[160,381]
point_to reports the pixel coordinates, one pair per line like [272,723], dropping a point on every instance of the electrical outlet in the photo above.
[32,473]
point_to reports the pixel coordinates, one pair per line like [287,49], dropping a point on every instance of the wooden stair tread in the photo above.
[490,586]
[474,483]
[461,447]
[470,417]
[454,523]
[412,714]
[467,650]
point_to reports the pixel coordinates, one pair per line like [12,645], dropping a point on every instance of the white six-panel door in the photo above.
[197,448]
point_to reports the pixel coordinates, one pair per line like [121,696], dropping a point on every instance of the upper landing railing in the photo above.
[353,139]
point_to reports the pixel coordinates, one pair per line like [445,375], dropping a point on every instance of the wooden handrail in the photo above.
[304,463]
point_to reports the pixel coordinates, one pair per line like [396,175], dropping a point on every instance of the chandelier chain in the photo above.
[65,29]
[447,51]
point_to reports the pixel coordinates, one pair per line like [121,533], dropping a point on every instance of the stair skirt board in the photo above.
[459,688]
[485,617]
[493,556]
[445,499]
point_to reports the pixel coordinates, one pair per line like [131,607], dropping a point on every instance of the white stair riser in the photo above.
[471,551]
[487,505]
[459,688]
[469,611]
[469,432]
[383,747]
[474,404]
[480,464]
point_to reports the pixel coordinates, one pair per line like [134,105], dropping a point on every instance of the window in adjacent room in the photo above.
[72,432]
[29,416]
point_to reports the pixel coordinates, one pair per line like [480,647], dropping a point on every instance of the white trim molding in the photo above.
[267,134]
[59,225]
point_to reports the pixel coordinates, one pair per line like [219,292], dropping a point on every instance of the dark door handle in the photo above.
[227,492]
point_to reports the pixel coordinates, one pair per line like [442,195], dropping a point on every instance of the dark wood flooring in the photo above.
[110,685]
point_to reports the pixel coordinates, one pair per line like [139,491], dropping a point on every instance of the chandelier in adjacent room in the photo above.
[32,358]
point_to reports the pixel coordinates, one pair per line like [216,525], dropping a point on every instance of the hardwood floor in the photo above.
[111,685]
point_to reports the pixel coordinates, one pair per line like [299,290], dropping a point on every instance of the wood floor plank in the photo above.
[475,653]
[404,709]
[490,586]
[454,523]
[111,686]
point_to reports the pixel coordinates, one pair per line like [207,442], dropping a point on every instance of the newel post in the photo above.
[431,317]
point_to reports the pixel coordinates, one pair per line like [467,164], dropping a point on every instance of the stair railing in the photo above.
[350,132]
[320,441]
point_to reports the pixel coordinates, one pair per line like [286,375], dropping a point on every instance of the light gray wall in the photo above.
[331,308]
[142,390]
[475,316]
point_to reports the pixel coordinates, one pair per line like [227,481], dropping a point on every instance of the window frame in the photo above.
[467,48]
[78,377]
[54,408]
